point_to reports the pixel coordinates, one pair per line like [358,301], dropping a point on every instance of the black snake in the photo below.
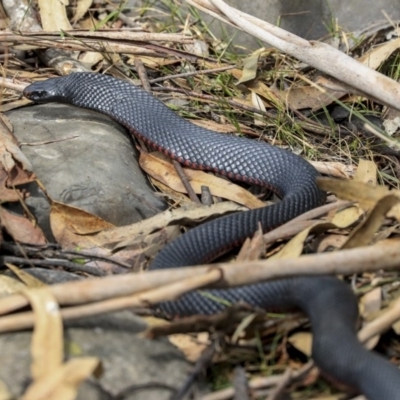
[329,303]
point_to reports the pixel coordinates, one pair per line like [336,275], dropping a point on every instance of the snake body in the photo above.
[329,303]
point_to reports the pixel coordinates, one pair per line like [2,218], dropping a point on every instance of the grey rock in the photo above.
[84,159]
[311,19]
[134,368]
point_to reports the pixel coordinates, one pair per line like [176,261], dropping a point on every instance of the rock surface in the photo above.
[311,19]
[134,368]
[84,159]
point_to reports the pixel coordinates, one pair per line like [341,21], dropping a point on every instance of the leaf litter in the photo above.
[264,98]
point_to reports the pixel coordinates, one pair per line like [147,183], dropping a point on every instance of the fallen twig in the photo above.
[303,221]
[126,291]
[381,323]
[317,54]
[260,383]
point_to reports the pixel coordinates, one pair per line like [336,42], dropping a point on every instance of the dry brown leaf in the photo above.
[364,233]
[63,383]
[198,47]
[257,103]
[176,197]
[267,93]
[53,15]
[138,250]
[334,169]
[378,54]
[90,58]
[294,247]
[51,379]
[20,228]
[12,105]
[126,235]
[47,339]
[302,341]
[9,285]
[252,249]
[88,23]
[342,219]
[191,346]
[8,152]
[235,72]
[360,192]
[240,331]
[366,172]
[347,217]
[250,65]
[370,304]
[151,322]
[6,194]
[157,166]
[9,149]
[29,280]
[308,97]
[226,127]
[154,62]
[332,241]
[70,225]
[244,100]
[82,6]
[19,176]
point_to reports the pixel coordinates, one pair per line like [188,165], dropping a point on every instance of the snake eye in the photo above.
[39,95]
[34,95]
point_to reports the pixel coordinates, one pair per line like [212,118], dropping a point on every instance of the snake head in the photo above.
[44,91]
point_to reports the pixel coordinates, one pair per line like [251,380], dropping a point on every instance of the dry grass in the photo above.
[254,108]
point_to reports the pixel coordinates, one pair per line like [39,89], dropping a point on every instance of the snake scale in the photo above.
[329,303]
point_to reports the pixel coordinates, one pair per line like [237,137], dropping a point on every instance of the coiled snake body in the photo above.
[329,303]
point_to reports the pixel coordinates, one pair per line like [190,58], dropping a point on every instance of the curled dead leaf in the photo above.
[250,66]
[9,285]
[360,192]
[47,340]
[370,304]
[341,219]
[53,15]
[366,172]
[302,341]
[126,235]
[29,280]
[192,347]
[160,168]
[20,228]
[364,233]
[72,226]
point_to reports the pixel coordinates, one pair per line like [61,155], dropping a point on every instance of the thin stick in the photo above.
[10,84]
[260,383]
[185,182]
[319,55]
[382,323]
[167,292]
[194,73]
[385,254]
[303,221]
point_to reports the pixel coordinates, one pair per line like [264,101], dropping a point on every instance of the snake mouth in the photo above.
[35,95]
[42,92]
